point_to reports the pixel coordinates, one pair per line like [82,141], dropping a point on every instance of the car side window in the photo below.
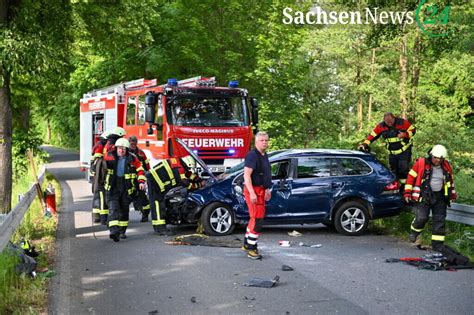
[310,167]
[280,169]
[349,166]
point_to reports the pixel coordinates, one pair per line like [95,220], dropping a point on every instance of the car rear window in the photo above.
[309,167]
[349,166]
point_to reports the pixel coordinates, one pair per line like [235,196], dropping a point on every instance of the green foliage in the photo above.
[19,294]
[21,143]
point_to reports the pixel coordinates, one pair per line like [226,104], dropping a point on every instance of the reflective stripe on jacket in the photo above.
[421,172]
[133,172]
[395,145]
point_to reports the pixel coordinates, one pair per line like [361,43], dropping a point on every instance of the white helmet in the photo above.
[119,131]
[122,143]
[439,151]
[104,135]
[189,161]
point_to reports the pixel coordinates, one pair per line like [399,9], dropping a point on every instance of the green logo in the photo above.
[433,20]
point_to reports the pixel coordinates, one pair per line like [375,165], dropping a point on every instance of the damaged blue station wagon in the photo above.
[343,188]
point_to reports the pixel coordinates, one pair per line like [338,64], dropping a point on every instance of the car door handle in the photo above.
[337,185]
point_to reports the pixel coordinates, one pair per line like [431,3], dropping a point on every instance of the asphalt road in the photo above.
[143,275]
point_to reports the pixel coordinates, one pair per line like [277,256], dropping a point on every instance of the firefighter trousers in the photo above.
[256,215]
[437,204]
[100,210]
[158,209]
[400,164]
[119,209]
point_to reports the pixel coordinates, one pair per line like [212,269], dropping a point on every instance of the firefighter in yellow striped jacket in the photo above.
[100,211]
[398,135]
[123,170]
[161,178]
[430,184]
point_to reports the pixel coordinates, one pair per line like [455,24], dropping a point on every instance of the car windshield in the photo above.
[209,111]
[239,167]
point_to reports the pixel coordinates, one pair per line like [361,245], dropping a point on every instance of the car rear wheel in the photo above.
[351,218]
[218,219]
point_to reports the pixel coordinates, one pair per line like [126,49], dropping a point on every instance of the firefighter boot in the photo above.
[103,219]
[254,254]
[96,217]
[145,214]
[115,237]
[413,237]
[162,230]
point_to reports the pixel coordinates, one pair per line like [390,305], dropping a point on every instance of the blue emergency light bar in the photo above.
[234,84]
[231,151]
[173,82]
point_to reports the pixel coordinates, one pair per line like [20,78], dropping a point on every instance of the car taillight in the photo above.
[391,188]
[83,169]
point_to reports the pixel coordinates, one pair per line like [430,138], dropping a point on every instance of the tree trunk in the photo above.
[415,76]
[5,143]
[403,75]
[48,131]
[372,77]
[358,81]
[5,126]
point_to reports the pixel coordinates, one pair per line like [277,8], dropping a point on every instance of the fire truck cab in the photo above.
[217,123]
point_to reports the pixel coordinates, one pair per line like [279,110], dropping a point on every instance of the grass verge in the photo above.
[19,293]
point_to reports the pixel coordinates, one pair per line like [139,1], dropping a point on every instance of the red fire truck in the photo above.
[215,122]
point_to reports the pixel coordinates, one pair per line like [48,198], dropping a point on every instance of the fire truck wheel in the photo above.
[218,219]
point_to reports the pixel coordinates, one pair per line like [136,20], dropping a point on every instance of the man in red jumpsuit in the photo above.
[257,190]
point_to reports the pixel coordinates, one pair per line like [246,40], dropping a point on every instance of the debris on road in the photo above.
[204,240]
[262,283]
[193,299]
[285,243]
[295,233]
[301,244]
[287,268]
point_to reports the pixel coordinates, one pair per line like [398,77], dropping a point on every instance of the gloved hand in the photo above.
[407,199]
[454,196]
[363,147]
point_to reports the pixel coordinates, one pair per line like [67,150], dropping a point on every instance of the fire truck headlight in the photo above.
[196,151]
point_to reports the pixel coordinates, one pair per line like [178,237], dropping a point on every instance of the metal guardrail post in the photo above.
[12,220]
[461,213]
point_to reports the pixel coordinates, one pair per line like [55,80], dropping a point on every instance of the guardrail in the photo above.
[9,222]
[461,213]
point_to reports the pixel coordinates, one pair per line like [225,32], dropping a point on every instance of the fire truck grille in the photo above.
[214,153]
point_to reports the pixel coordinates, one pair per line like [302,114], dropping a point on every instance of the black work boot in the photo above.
[144,217]
[115,237]
[413,237]
[103,219]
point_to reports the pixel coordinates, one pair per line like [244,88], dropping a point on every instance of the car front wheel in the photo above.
[351,218]
[218,219]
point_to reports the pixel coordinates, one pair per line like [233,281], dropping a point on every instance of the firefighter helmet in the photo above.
[119,131]
[122,143]
[132,139]
[104,135]
[189,161]
[439,151]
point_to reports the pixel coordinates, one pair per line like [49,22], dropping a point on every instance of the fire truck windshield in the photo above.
[209,111]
